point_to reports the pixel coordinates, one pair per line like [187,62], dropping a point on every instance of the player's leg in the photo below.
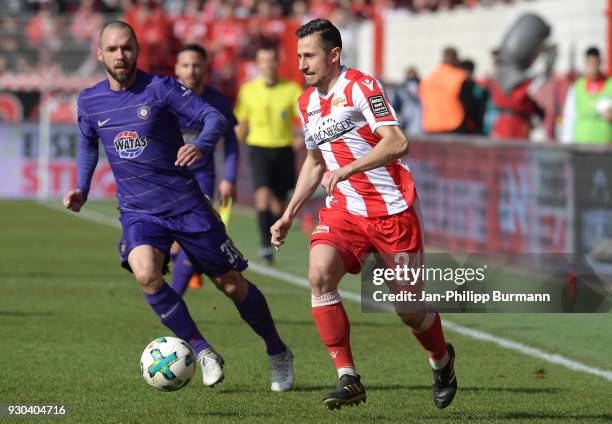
[283,165]
[260,177]
[325,270]
[405,236]
[265,219]
[253,309]
[213,253]
[182,271]
[146,263]
[145,250]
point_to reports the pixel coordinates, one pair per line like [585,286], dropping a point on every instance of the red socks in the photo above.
[431,337]
[334,328]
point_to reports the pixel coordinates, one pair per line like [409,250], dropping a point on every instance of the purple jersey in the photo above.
[204,170]
[140,131]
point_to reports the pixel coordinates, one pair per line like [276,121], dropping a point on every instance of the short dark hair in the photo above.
[119,25]
[593,51]
[467,65]
[193,47]
[268,45]
[330,36]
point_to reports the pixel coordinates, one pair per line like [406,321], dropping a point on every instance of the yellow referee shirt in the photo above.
[269,111]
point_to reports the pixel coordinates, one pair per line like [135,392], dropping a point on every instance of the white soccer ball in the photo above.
[168,363]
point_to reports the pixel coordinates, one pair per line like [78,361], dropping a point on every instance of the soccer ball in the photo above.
[168,363]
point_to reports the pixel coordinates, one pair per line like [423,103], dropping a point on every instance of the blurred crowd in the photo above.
[246,8]
[34,32]
[55,38]
[449,100]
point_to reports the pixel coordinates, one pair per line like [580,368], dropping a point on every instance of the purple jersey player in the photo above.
[135,115]
[190,70]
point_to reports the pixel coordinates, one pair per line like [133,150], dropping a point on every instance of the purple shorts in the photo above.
[199,231]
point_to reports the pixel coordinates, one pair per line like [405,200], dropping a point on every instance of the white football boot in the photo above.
[212,367]
[282,371]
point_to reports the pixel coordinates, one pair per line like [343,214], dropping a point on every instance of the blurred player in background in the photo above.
[191,69]
[266,115]
[355,145]
[135,116]
[587,115]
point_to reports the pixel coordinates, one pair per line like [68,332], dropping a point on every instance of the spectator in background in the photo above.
[343,20]
[267,111]
[154,33]
[515,111]
[480,98]
[491,111]
[587,115]
[446,97]
[43,30]
[407,103]
[85,28]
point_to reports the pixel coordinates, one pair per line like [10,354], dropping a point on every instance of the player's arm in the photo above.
[370,99]
[242,130]
[308,181]
[392,146]
[86,161]
[196,112]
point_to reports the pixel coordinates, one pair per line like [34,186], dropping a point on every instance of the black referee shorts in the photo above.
[273,167]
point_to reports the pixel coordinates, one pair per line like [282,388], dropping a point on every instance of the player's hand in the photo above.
[188,155]
[74,200]
[227,191]
[279,231]
[332,178]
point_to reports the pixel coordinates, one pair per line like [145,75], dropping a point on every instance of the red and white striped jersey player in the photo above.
[355,149]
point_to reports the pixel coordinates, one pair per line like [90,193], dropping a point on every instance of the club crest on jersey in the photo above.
[330,130]
[143,112]
[340,101]
[129,144]
[321,229]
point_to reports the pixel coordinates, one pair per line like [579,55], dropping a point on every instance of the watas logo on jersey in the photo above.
[330,130]
[129,144]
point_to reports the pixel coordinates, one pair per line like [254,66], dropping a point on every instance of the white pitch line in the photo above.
[355,297]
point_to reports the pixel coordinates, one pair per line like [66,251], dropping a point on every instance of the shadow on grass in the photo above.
[25,314]
[380,387]
[518,415]
[229,414]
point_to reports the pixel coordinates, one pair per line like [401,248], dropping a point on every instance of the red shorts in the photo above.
[354,236]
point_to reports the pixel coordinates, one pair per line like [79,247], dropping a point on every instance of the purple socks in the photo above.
[254,310]
[173,313]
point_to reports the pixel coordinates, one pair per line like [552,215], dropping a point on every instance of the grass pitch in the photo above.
[73,325]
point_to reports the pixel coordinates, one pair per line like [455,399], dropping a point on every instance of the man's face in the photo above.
[190,69]
[314,62]
[118,52]
[591,68]
[267,63]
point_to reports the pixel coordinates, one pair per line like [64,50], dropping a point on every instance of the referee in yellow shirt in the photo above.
[266,110]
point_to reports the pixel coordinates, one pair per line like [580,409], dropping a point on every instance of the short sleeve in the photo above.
[310,142]
[370,99]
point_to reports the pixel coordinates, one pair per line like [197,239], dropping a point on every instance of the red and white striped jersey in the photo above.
[342,125]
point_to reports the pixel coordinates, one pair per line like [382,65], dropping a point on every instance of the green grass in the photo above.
[73,325]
